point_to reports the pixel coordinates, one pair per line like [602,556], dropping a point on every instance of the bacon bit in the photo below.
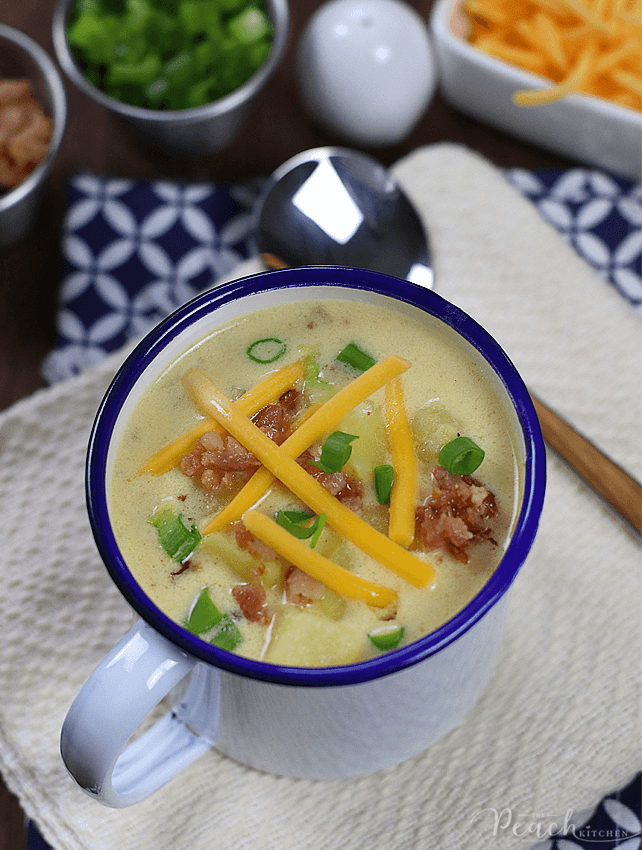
[333,482]
[191,464]
[25,132]
[347,489]
[456,514]
[221,461]
[211,441]
[274,419]
[12,90]
[300,588]
[246,540]
[252,600]
[352,494]
[182,497]
[232,457]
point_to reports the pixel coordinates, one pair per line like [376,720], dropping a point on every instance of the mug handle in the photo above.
[128,683]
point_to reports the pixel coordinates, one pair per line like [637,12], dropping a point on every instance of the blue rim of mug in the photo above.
[347,278]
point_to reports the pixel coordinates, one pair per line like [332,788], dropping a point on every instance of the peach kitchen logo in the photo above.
[507,823]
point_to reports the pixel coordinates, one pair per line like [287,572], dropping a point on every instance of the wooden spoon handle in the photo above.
[609,480]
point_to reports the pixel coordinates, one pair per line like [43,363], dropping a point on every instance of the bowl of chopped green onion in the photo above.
[181,75]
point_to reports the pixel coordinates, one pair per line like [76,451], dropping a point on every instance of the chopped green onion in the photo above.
[122,46]
[387,637]
[356,357]
[312,371]
[205,617]
[266,350]
[226,634]
[251,25]
[461,456]
[291,521]
[297,516]
[319,525]
[335,452]
[383,478]
[177,539]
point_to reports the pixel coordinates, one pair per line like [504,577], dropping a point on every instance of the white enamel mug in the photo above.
[314,723]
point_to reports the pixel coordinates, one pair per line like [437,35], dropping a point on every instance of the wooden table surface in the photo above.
[30,272]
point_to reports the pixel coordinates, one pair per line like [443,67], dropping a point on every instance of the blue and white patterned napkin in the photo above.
[600,216]
[135,251]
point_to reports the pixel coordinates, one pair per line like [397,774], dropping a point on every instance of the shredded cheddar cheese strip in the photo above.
[514,55]
[167,457]
[551,38]
[585,14]
[626,80]
[251,402]
[325,418]
[403,497]
[316,565]
[542,33]
[609,61]
[573,81]
[287,470]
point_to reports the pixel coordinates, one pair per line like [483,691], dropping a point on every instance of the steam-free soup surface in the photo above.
[302,623]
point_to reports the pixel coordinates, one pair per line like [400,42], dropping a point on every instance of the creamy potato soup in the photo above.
[384,520]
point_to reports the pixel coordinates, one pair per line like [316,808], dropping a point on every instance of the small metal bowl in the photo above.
[21,57]
[185,132]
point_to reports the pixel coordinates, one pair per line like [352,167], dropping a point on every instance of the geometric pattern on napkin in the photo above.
[613,826]
[599,214]
[133,253]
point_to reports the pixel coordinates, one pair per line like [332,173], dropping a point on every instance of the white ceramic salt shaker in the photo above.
[365,69]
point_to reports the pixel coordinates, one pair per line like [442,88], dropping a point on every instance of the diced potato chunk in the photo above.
[273,574]
[303,638]
[333,604]
[223,547]
[335,548]
[366,422]
[433,426]
[317,390]
[328,542]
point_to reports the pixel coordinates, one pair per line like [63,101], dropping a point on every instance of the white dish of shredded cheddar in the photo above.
[564,74]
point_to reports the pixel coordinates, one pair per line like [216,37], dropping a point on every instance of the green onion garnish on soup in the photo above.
[335,452]
[292,521]
[461,456]
[205,617]
[226,634]
[383,478]
[267,350]
[176,537]
[387,637]
[356,357]
[312,376]
[318,528]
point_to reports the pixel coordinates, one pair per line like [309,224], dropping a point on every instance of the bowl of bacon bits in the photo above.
[564,75]
[33,114]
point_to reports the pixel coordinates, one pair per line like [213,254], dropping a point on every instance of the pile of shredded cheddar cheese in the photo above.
[588,46]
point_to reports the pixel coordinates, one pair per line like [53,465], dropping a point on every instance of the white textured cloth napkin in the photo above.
[559,724]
